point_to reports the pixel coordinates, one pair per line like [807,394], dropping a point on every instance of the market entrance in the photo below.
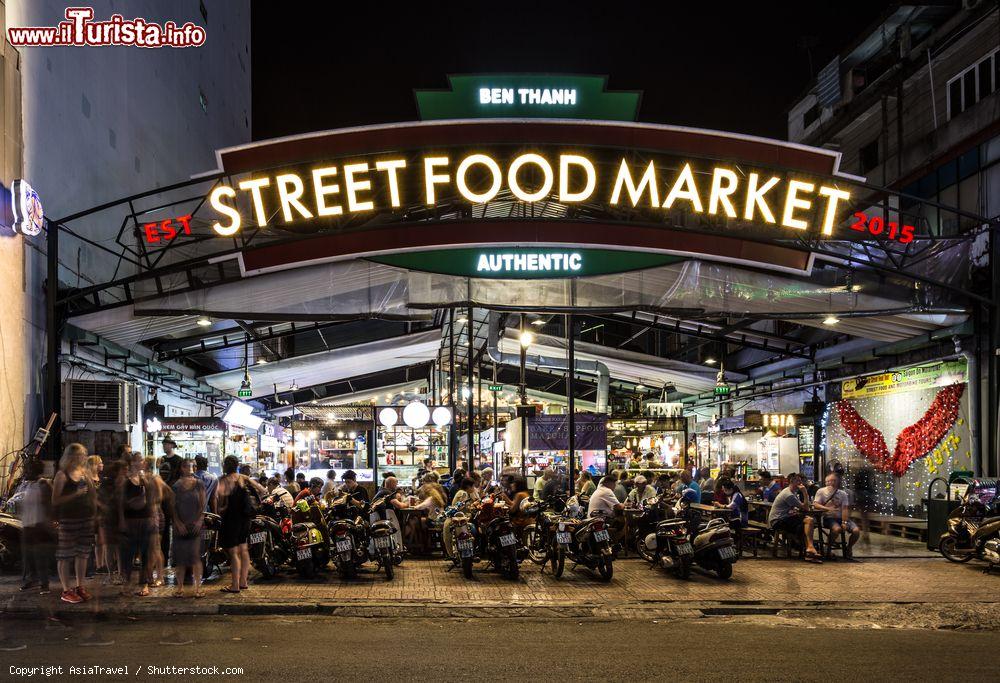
[552,293]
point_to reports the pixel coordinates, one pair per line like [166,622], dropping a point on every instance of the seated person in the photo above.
[467,492]
[787,516]
[640,492]
[313,489]
[359,494]
[687,482]
[834,502]
[515,497]
[603,501]
[275,489]
[705,479]
[737,503]
[769,488]
[540,482]
[585,484]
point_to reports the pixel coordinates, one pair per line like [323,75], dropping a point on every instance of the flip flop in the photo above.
[227,589]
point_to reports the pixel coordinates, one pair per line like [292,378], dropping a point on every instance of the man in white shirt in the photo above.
[603,500]
[836,507]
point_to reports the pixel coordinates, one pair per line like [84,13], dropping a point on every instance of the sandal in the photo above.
[227,589]
[813,557]
[199,594]
[244,588]
[143,593]
[178,594]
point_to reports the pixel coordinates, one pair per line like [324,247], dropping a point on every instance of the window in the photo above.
[973,84]
[868,156]
[810,116]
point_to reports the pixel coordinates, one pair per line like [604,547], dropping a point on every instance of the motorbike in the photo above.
[714,548]
[668,547]
[311,539]
[973,532]
[497,539]
[271,542]
[213,558]
[539,536]
[384,549]
[348,535]
[10,541]
[463,540]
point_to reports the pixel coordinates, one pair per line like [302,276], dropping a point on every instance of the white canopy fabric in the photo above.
[326,367]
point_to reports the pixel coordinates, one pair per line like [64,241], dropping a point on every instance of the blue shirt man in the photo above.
[688,483]
[207,479]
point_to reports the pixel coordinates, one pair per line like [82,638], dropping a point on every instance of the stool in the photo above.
[748,535]
[781,538]
[827,544]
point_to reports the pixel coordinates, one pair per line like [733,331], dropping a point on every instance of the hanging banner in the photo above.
[909,379]
[551,433]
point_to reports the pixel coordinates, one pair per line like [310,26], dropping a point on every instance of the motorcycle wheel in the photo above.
[725,571]
[510,570]
[684,570]
[947,548]
[640,548]
[606,568]
[467,567]
[265,563]
[388,566]
[305,568]
[557,557]
[535,544]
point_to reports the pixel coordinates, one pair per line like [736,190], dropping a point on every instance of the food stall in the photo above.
[534,444]
[664,437]
[194,436]
[407,435]
[272,440]
[338,438]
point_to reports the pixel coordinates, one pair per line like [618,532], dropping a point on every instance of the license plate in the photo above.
[465,548]
[727,553]
[506,540]
[601,535]
[344,546]
[383,542]
[304,553]
[256,538]
[563,537]
[684,549]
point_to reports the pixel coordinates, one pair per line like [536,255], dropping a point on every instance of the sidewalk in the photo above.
[422,585]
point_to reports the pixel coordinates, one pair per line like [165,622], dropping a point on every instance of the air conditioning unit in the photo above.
[91,404]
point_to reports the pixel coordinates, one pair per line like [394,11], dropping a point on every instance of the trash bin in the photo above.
[938,508]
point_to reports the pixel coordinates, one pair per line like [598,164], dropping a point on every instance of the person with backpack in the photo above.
[237,499]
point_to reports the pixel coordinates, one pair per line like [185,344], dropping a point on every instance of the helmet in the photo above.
[302,505]
[690,496]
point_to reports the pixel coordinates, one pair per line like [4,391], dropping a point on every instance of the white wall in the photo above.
[100,123]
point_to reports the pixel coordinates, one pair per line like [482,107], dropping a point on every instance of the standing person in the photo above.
[75,504]
[188,519]
[108,535]
[123,453]
[135,513]
[170,470]
[94,468]
[235,506]
[207,479]
[36,532]
[162,499]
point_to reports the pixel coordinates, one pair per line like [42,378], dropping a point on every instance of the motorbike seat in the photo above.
[381,524]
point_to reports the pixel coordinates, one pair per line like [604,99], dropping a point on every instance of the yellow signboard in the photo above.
[908,379]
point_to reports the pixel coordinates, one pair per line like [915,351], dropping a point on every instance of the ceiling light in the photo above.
[640,387]
[388,417]
[526,339]
[262,361]
[462,320]
[416,415]
[831,320]
[538,322]
[710,361]
[855,288]
[204,321]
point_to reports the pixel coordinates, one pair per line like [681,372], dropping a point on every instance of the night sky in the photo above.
[728,66]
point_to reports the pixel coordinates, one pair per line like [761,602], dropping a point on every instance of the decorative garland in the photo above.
[913,443]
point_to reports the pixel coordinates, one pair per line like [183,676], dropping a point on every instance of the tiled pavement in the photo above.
[426,583]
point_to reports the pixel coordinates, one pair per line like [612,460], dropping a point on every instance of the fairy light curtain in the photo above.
[894,443]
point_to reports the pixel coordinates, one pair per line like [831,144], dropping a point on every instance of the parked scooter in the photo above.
[668,547]
[312,547]
[348,535]
[213,558]
[497,539]
[539,536]
[462,543]
[271,542]
[973,532]
[714,548]
[384,550]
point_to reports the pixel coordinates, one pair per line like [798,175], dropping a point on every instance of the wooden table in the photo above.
[712,510]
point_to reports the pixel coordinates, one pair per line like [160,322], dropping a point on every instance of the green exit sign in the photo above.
[496,387]
[245,393]
[722,390]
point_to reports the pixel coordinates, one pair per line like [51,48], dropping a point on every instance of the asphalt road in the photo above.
[318,648]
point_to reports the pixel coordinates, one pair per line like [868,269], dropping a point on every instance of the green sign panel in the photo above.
[546,96]
[496,387]
[722,389]
[244,393]
[522,263]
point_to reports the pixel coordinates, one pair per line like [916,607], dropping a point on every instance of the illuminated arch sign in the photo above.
[383,183]
[545,190]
